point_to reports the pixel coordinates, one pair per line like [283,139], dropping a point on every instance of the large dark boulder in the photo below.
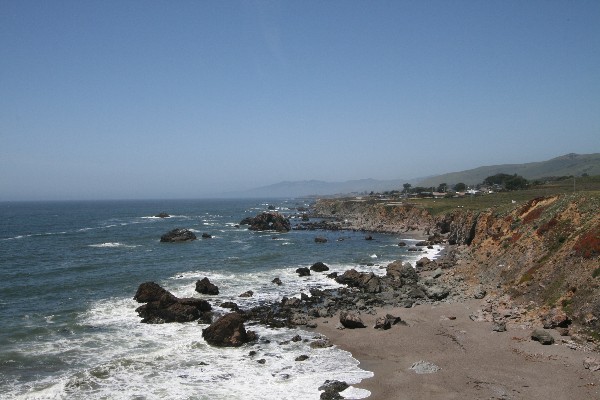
[351,320]
[178,235]
[319,267]
[332,389]
[163,307]
[228,331]
[542,336]
[204,286]
[303,271]
[366,281]
[268,221]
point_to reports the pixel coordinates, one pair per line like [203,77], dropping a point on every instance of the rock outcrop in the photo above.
[319,267]
[228,331]
[267,221]
[178,235]
[205,286]
[163,307]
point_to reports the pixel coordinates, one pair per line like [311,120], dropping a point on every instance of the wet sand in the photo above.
[474,361]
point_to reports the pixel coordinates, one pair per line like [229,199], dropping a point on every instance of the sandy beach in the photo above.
[475,362]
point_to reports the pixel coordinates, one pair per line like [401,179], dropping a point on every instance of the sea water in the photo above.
[69,271]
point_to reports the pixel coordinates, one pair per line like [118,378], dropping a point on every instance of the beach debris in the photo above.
[479,292]
[178,235]
[163,307]
[205,286]
[228,331]
[591,363]
[319,267]
[542,336]
[267,221]
[424,367]
[351,320]
[499,326]
[332,388]
[320,342]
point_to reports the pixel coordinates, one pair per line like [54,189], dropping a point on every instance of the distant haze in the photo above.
[154,99]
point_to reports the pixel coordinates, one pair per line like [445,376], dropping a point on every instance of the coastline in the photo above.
[458,334]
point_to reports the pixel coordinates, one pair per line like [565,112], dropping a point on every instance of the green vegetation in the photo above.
[596,273]
[508,182]
[503,201]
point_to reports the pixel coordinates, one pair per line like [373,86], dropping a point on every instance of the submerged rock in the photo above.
[332,389]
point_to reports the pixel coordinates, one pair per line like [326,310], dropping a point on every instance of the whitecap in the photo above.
[111,244]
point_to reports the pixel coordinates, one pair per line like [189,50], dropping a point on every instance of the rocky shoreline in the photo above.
[370,301]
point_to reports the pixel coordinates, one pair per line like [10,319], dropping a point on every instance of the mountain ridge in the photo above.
[570,164]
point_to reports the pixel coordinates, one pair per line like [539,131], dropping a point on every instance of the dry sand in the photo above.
[475,362]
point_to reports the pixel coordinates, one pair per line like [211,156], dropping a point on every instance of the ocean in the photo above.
[69,271]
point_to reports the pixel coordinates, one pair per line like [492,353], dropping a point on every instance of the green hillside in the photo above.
[567,165]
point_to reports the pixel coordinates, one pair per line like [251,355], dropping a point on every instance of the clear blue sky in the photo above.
[163,99]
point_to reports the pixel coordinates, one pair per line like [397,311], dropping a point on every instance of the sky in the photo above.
[188,99]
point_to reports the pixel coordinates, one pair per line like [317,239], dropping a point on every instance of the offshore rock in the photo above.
[204,286]
[228,331]
[163,307]
[319,267]
[267,221]
[178,235]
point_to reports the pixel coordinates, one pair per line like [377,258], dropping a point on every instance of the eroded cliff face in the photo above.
[545,253]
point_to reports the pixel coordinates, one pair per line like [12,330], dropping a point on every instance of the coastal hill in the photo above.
[566,165]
